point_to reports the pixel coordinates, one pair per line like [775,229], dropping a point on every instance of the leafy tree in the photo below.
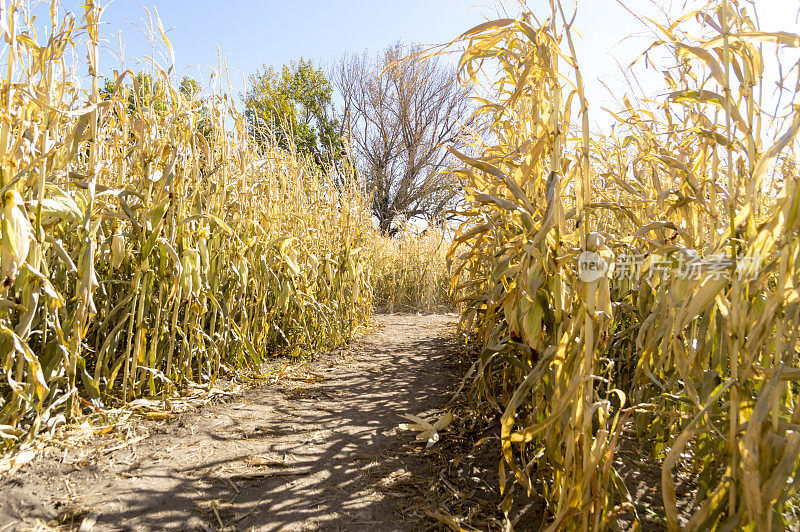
[189,87]
[145,92]
[294,106]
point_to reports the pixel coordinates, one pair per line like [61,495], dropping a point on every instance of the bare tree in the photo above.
[400,112]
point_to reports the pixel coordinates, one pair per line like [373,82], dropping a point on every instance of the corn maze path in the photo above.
[315,452]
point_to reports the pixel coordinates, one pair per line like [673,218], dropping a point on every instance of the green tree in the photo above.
[294,107]
[145,92]
[189,87]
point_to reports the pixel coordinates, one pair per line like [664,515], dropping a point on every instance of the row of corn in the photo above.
[148,249]
[687,345]
[410,272]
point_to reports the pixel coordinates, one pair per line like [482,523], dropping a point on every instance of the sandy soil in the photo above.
[323,452]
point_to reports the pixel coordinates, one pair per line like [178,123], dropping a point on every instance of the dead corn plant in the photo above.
[409,270]
[148,249]
[703,367]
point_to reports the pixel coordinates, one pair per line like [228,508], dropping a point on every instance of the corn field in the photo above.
[641,285]
[410,272]
[694,353]
[148,249]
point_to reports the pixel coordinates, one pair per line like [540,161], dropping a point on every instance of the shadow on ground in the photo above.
[319,452]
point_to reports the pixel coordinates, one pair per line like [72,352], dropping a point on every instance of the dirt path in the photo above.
[323,453]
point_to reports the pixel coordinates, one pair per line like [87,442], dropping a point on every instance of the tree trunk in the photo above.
[385,225]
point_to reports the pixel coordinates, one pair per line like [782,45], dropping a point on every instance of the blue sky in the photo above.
[250,33]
